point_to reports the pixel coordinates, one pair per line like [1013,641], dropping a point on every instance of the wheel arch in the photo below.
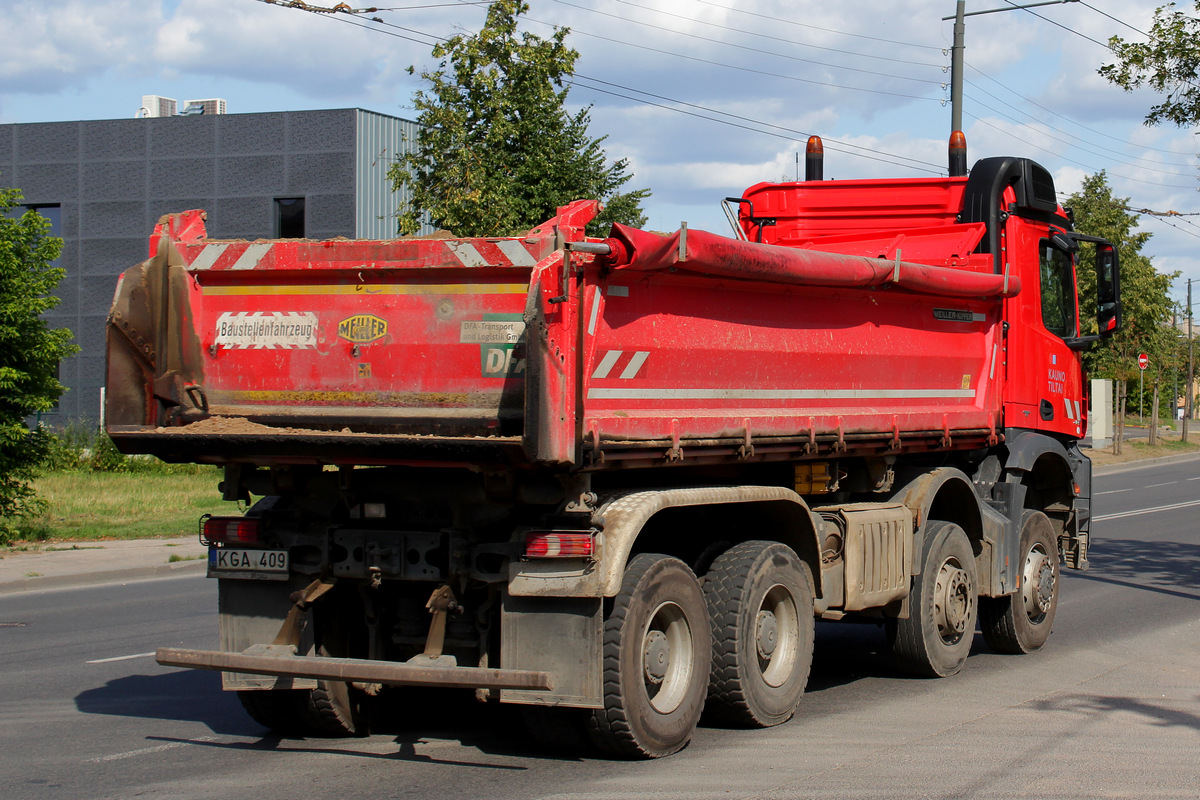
[1056,480]
[945,494]
[645,521]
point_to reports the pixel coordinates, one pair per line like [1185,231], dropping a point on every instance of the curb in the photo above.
[41,583]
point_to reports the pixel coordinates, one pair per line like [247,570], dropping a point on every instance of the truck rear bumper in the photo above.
[355,670]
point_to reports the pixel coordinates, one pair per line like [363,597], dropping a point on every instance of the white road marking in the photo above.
[1168,483]
[1194,479]
[120,658]
[146,750]
[1115,491]
[1172,507]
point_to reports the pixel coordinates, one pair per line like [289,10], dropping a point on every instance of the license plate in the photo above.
[230,562]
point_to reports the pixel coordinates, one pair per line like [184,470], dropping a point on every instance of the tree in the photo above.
[497,152]
[29,350]
[1167,64]
[1145,304]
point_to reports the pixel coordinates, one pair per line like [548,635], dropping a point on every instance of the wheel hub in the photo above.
[656,656]
[768,634]
[1039,583]
[952,601]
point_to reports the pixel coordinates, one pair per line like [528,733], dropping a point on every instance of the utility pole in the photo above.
[1191,380]
[956,52]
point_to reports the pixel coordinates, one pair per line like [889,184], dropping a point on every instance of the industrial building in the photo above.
[104,183]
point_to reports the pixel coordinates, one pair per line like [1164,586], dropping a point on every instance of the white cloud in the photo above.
[50,47]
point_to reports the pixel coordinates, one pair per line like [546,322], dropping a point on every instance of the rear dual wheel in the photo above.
[331,710]
[760,601]
[657,656]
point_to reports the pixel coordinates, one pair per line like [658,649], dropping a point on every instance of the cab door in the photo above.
[1044,384]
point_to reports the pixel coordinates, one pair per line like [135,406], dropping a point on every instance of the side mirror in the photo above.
[1108,289]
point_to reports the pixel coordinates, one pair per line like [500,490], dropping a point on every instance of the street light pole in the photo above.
[956,51]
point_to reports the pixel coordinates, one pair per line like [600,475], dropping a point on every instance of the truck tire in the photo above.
[657,656]
[1021,622]
[334,710]
[760,601]
[279,710]
[935,639]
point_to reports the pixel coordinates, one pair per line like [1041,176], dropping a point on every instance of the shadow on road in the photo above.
[411,717]
[1094,704]
[1162,567]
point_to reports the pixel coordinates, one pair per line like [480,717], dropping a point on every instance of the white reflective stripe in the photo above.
[467,254]
[253,254]
[208,256]
[595,312]
[1078,412]
[1070,410]
[992,369]
[635,363]
[776,394]
[516,253]
[606,364]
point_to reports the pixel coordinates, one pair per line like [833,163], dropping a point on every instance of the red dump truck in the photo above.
[617,480]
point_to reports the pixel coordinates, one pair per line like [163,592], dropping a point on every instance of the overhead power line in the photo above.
[758,35]
[794,23]
[1062,116]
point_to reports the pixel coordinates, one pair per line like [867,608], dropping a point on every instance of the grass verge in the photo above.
[90,506]
[1138,450]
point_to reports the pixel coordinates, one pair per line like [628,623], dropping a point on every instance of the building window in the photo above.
[289,217]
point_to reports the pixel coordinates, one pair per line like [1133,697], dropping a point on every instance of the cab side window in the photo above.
[1058,291]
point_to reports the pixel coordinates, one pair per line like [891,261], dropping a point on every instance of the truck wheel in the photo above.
[760,601]
[334,710]
[657,655]
[935,639]
[280,710]
[1021,622]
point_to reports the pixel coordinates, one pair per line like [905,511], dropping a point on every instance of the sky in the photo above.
[703,97]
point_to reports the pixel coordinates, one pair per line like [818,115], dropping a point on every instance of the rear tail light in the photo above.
[229,530]
[560,544]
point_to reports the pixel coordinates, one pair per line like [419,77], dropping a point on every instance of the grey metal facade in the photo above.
[113,179]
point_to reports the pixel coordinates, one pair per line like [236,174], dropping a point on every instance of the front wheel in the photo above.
[935,639]
[1021,622]
[657,654]
[760,600]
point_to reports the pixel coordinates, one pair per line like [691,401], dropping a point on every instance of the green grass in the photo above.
[90,506]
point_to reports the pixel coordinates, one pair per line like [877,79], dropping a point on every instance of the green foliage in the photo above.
[497,153]
[1167,63]
[29,351]
[1146,306]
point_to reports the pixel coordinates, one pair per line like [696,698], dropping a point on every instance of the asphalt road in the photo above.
[1109,709]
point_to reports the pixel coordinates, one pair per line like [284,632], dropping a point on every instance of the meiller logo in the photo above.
[362,328]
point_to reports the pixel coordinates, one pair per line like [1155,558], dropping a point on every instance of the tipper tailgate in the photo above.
[341,338]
